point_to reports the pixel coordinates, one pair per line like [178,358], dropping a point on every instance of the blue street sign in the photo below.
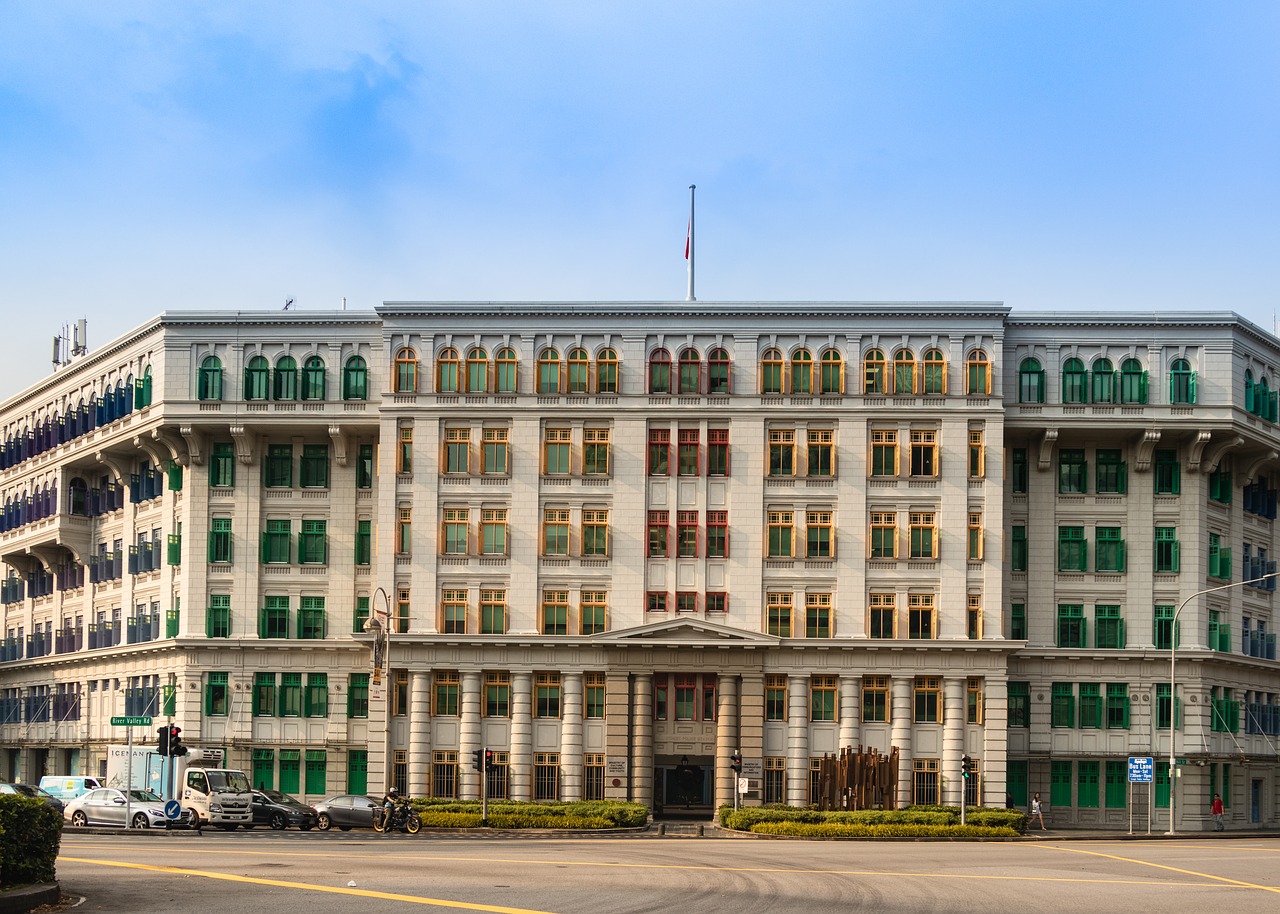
[172,809]
[1140,770]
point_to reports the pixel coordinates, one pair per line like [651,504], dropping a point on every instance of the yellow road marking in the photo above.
[1165,866]
[332,889]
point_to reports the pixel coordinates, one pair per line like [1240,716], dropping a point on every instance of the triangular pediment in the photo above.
[686,631]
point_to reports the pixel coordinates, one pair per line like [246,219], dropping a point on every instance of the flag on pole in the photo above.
[688,238]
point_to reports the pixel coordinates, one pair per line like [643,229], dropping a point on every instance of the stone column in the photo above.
[469,734]
[993,767]
[902,718]
[520,771]
[642,739]
[797,740]
[420,733]
[571,737]
[850,712]
[953,723]
[726,738]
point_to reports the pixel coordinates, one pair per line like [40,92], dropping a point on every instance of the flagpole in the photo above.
[688,252]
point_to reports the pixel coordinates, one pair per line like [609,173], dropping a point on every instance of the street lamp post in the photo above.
[1173,693]
[379,625]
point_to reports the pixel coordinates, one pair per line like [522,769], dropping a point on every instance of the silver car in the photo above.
[107,806]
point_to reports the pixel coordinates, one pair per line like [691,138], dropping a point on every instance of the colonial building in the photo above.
[615,543]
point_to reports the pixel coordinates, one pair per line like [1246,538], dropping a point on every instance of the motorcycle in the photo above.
[401,818]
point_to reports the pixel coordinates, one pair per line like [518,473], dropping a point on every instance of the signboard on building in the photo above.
[753,768]
[616,767]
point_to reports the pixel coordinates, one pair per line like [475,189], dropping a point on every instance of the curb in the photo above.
[26,897]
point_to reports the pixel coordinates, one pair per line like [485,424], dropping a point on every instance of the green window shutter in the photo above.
[174,551]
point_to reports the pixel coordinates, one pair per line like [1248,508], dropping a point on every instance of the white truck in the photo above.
[215,795]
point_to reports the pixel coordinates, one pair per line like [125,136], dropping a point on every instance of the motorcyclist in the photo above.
[389,801]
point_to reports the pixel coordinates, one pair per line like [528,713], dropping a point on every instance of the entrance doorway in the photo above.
[684,786]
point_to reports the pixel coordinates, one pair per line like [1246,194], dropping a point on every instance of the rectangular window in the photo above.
[1020,704]
[687,456]
[656,601]
[454,538]
[220,540]
[217,695]
[222,465]
[782,452]
[277,545]
[1018,475]
[1112,475]
[1090,706]
[718,452]
[457,450]
[1073,549]
[883,615]
[821,448]
[924,453]
[924,535]
[497,695]
[364,542]
[775,697]
[819,531]
[716,602]
[928,699]
[921,624]
[822,697]
[493,612]
[1166,475]
[975,536]
[778,608]
[404,531]
[313,468]
[775,779]
[1108,627]
[317,697]
[403,606]
[1018,548]
[358,695]
[592,611]
[817,615]
[883,541]
[884,453]
[1062,707]
[1071,625]
[361,614]
[593,685]
[273,621]
[973,700]
[1163,634]
[687,534]
[875,699]
[1117,706]
[659,534]
[595,532]
[973,617]
[977,454]
[1219,558]
[1167,550]
[1109,554]
[717,534]
[1162,711]
[555,531]
[781,536]
[924,781]
[1220,486]
[494,452]
[364,467]
[453,611]
[686,696]
[277,467]
[595,452]
[313,543]
[218,616]
[404,451]
[264,694]
[312,620]
[593,776]
[1018,622]
[1087,785]
[555,612]
[546,688]
[659,452]
[493,531]
[290,695]
[1073,472]
[556,449]
[446,698]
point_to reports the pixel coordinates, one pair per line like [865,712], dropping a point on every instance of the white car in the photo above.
[107,806]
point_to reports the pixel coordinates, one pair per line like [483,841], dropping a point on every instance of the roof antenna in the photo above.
[288,303]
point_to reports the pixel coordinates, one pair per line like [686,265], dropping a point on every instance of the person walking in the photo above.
[1216,809]
[1037,812]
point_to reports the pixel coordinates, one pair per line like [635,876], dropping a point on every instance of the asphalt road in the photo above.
[296,873]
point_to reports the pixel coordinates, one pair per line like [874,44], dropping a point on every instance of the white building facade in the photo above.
[614,543]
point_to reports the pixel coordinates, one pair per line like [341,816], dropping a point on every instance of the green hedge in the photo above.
[30,835]
[936,820]
[596,814]
[900,830]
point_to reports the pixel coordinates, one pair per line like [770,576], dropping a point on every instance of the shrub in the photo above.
[595,814]
[30,835]
[914,821]
[892,830]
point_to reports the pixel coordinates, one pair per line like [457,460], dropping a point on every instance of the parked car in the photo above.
[347,811]
[31,790]
[107,806]
[279,810]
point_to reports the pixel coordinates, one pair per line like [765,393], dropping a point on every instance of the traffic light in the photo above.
[162,740]
[175,741]
[966,767]
[488,759]
[735,760]
[478,760]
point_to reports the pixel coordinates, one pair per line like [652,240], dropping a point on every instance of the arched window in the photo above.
[933,379]
[1262,395]
[607,372]
[690,371]
[286,379]
[771,371]
[506,371]
[142,390]
[208,384]
[718,371]
[1248,390]
[78,500]
[904,372]
[477,370]
[802,372]
[355,379]
[549,372]
[1104,381]
[125,392]
[447,371]
[873,380]
[1133,382]
[314,382]
[406,366]
[1182,382]
[579,370]
[832,372]
[977,373]
[660,372]
[1075,382]
[257,379]
[1030,381]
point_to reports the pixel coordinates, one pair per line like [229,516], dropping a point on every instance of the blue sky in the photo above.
[1051,155]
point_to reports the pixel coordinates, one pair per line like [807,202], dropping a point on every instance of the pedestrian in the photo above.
[1216,809]
[1008,801]
[1037,812]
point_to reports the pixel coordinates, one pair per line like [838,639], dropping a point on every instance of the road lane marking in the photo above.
[1164,866]
[310,887]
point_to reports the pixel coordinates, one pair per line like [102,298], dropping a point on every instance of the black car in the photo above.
[347,811]
[279,810]
[34,792]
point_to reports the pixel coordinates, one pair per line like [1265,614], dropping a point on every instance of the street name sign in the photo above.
[131,721]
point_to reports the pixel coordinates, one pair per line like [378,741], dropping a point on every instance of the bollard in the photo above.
[699,831]
[662,828]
